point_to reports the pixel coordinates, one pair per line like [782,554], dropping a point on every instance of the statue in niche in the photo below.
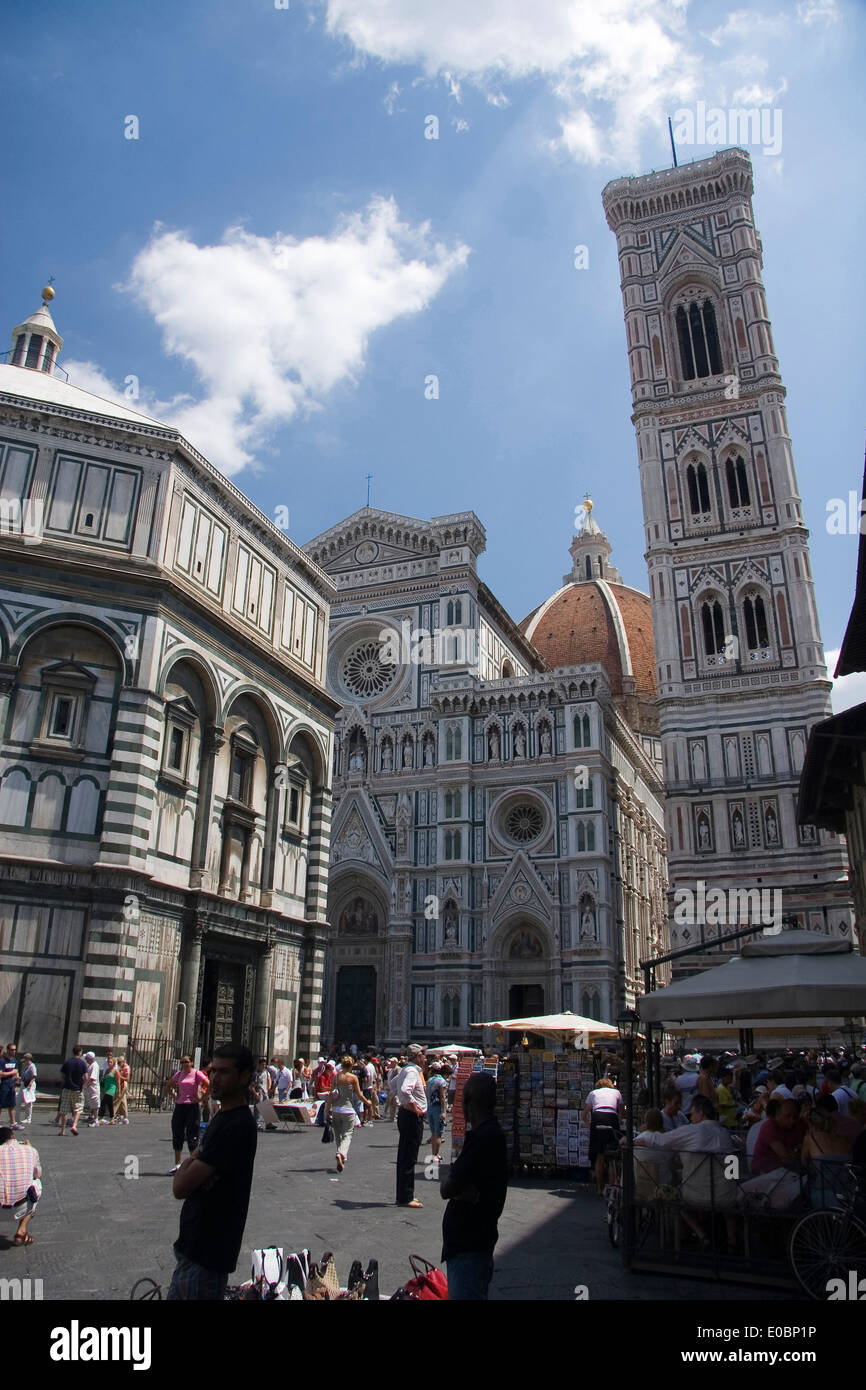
[519,743]
[703,832]
[387,756]
[408,754]
[449,922]
[358,758]
[493,744]
[545,739]
[428,752]
[738,829]
[772,825]
[699,763]
[587,925]
[526,946]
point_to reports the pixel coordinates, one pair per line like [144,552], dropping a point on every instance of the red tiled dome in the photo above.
[597,621]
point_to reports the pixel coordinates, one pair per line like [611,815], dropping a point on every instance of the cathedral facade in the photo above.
[166,735]
[497,842]
[739,661]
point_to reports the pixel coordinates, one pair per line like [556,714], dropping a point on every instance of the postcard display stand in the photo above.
[465,1068]
[552,1088]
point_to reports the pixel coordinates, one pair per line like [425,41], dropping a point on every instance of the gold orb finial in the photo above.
[587,503]
[47,294]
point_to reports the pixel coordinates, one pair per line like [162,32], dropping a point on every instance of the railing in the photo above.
[54,371]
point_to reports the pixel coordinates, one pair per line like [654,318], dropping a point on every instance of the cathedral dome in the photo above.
[595,617]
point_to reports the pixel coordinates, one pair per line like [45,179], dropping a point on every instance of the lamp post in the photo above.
[626,1027]
[852,1032]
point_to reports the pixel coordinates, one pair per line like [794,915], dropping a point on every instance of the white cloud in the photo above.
[390,99]
[818,11]
[270,325]
[847,690]
[629,57]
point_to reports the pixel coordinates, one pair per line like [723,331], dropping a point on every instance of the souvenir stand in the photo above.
[541,1091]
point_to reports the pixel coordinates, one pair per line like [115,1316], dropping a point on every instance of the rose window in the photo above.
[365,673]
[524,823]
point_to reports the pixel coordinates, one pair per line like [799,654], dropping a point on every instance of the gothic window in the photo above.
[755,618]
[454,613]
[423,1000]
[524,823]
[713,622]
[364,672]
[738,482]
[453,805]
[581,837]
[453,744]
[583,798]
[453,844]
[588,567]
[475,1004]
[241,774]
[507,670]
[451,1009]
[698,489]
[581,731]
[591,1004]
[698,338]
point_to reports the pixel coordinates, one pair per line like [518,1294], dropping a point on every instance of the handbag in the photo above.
[323,1282]
[428,1282]
[328,1133]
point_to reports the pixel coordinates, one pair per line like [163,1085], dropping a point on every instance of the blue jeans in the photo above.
[195,1283]
[469,1275]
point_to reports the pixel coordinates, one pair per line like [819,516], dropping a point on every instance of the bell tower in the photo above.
[739,659]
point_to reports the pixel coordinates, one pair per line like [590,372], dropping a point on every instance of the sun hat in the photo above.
[90,1056]
[690,1063]
[413,1050]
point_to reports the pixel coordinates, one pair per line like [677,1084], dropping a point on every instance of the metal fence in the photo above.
[152,1062]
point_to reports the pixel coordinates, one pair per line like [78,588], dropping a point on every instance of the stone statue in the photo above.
[428,752]
[772,826]
[408,754]
[545,739]
[519,744]
[493,743]
[739,837]
[387,756]
[357,759]
[587,926]
[703,832]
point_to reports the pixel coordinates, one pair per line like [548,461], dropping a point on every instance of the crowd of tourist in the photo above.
[785,1129]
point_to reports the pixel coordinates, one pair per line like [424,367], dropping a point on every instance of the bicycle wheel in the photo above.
[614,1216]
[149,1289]
[826,1245]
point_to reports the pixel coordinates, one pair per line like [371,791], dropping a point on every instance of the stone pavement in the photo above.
[96,1231]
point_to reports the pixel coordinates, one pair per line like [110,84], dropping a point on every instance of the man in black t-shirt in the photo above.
[475,1188]
[73,1072]
[215,1182]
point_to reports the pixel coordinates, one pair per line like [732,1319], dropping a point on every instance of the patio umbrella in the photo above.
[797,974]
[452,1047]
[553,1024]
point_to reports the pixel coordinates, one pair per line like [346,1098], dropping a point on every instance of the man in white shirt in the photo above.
[412,1100]
[371,1088]
[703,1142]
[672,1112]
[687,1083]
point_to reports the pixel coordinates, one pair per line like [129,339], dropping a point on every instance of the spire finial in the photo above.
[47,291]
[587,503]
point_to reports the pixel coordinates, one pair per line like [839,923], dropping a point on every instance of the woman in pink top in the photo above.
[188,1086]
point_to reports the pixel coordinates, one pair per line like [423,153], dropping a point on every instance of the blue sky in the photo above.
[282,258]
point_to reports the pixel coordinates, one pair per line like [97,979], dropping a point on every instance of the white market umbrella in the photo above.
[451,1047]
[797,974]
[563,1024]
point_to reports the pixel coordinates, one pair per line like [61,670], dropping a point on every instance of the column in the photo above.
[264,991]
[190,971]
[312,988]
[212,742]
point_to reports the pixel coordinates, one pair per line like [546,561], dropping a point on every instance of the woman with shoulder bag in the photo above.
[340,1108]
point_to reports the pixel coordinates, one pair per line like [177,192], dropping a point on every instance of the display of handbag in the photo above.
[429,1282]
[328,1133]
[323,1282]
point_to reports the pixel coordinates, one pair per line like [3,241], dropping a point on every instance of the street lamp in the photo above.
[627,1026]
[853,1033]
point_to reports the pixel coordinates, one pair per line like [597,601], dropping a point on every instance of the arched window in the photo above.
[451,1010]
[588,567]
[699,489]
[584,798]
[698,339]
[449,614]
[713,623]
[738,482]
[453,744]
[453,805]
[581,731]
[590,836]
[591,1004]
[755,618]
[453,844]
[458,611]
[581,837]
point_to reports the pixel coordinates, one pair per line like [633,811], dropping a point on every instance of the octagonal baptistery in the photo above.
[595,617]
